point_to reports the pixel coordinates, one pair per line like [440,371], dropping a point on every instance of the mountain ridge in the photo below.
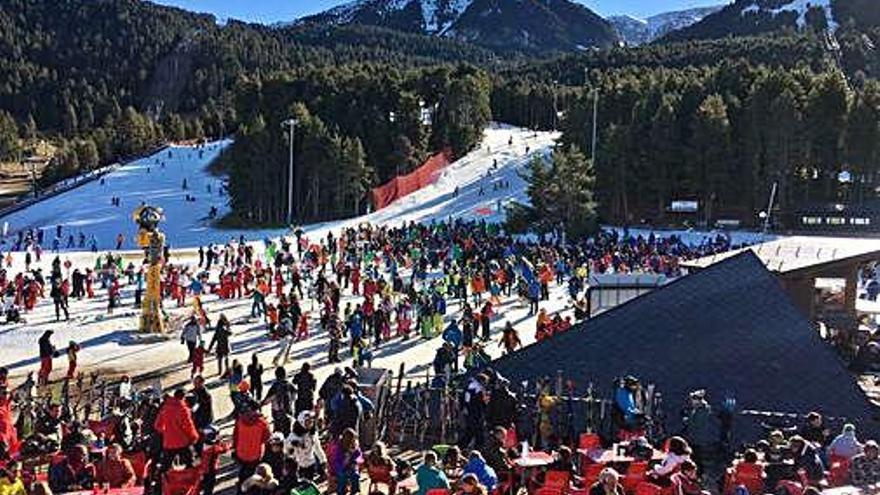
[754,17]
[534,26]
[637,31]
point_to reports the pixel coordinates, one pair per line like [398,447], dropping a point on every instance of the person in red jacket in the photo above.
[178,430]
[249,441]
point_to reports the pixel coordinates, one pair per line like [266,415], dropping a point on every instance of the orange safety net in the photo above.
[402,185]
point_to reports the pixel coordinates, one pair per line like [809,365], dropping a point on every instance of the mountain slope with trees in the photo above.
[120,76]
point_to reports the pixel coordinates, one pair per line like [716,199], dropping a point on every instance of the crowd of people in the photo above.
[361,288]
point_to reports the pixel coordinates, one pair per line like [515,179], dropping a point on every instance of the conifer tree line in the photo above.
[718,134]
[358,126]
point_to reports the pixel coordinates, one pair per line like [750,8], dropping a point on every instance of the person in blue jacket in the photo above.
[477,466]
[625,400]
[453,335]
[534,296]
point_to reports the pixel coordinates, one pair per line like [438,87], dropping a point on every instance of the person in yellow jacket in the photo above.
[10,480]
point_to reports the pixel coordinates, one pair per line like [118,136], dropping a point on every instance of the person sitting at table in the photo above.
[476,465]
[11,482]
[679,451]
[806,458]
[453,462]
[378,461]
[814,430]
[846,445]
[686,481]
[608,483]
[115,470]
[74,473]
[864,469]
[775,448]
[429,476]
[41,488]
[565,462]
[470,485]
[775,467]
[749,468]
[495,453]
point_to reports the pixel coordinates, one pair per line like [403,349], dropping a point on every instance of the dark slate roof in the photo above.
[728,329]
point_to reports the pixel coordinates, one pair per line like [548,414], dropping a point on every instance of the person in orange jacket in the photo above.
[249,439]
[175,423]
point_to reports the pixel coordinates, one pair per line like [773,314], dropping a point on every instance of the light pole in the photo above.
[595,122]
[555,109]
[291,123]
[595,115]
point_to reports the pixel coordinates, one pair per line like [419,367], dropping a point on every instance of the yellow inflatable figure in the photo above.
[152,240]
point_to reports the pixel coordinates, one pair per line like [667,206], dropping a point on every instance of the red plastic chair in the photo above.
[557,479]
[645,488]
[182,482]
[380,475]
[750,476]
[510,440]
[438,491]
[138,462]
[590,473]
[635,474]
[589,441]
[839,473]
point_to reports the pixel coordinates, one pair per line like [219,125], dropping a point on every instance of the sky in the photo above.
[269,11]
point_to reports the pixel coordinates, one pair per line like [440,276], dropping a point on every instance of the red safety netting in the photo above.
[402,185]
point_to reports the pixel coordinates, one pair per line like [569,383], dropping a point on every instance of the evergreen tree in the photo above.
[9,143]
[827,105]
[87,118]
[863,138]
[87,154]
[71,122]
[29,129]
[560,195]
[710,152]
[175,129]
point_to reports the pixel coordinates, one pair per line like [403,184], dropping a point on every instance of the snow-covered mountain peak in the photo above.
[435,16]
[639,31]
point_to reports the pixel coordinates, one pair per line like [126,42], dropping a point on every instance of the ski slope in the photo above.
[157,180]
